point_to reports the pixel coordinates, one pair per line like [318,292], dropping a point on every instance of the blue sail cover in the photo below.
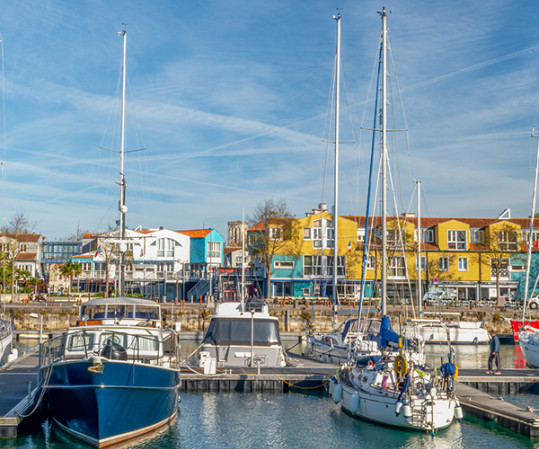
[387,335]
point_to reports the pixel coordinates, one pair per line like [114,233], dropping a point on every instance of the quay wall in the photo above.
[195,317]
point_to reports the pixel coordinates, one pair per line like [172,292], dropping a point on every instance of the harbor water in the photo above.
[300,419]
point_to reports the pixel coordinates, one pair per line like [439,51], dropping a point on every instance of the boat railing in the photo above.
[82,345]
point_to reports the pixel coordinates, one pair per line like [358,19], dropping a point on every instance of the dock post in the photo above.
[287,320]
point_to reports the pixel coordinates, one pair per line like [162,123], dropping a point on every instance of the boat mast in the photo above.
[530,234]
[384,161]
[419,239]
[336,187]
[242,287]
[122,207]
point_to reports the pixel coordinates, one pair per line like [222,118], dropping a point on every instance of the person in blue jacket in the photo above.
[494,353]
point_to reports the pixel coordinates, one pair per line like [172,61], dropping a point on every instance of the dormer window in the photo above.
[456,240]
[508,240]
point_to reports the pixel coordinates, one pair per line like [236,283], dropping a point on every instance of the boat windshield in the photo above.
[118,311]
[234,331]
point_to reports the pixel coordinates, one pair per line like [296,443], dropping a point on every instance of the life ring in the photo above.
[401,366]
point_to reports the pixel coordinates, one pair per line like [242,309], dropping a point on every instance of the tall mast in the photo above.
[384,161]
[242,287]
[122,207]
[336,187]
[530,234]
[419,240]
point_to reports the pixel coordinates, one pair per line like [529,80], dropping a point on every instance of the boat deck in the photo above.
[18,386]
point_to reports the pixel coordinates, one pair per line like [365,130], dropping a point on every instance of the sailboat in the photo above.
[396,390]
[336,347]
[528,336]
[115,375]
[440,329]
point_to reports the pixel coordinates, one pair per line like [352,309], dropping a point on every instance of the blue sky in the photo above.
[230,100]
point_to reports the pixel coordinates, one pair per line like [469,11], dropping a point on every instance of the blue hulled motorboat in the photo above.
[115,375]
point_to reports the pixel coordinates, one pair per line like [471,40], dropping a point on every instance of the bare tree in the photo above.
[273,231]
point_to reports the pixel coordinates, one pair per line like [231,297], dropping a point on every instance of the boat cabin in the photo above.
[120,310]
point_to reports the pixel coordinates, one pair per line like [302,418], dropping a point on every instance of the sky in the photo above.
[230,102]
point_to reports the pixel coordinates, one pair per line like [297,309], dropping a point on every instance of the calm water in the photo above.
[296,420]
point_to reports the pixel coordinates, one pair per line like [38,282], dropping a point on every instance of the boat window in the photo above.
[94,312]
[238,332]
[147,313]
[143,343]
[119,312]
[115,338]
[80,342]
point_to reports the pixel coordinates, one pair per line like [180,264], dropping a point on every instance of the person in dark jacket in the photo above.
[494,353]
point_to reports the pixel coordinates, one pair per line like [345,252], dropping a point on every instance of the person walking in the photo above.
[494,353]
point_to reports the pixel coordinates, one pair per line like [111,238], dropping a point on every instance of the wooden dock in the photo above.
[482,405]
[303,374]
[18,386]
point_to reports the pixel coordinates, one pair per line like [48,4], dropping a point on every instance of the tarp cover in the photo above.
[388,337]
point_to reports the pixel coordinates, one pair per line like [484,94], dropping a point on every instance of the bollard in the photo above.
[287,320]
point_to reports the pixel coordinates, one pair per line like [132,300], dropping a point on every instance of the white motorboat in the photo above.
[6,337]
[243,334]
[529,343]
[437,331]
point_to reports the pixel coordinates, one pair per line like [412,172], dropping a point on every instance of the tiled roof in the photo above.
[91,235]
[231,249]
[23,237]
[26,256]
[261,225]
[434,221]
[196,233]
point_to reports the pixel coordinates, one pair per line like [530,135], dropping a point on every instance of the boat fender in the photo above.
[407,411]
[458,412]
[354,402]
[400,365]
[13,355]
[398,408]
[337,393]
[332,384]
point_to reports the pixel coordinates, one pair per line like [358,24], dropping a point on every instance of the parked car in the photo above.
[534,302]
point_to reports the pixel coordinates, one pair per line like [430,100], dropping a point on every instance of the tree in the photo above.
[70,270]
[273,230]
[18,224]
[501,242]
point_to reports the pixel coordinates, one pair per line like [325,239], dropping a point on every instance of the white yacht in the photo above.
[437,331]
[243,334]
[6,337]
[529,343]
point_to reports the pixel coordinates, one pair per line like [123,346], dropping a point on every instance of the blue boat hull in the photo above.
[111,402]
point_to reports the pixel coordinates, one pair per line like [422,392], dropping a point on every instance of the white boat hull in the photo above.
[6,337]
[381,409]
[529,343]
[464,333]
